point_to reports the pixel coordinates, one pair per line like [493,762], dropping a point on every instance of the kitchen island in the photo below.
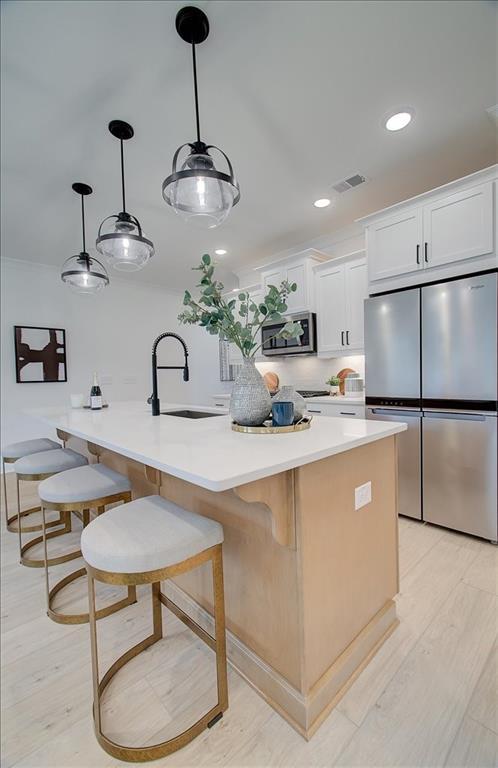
[311,566]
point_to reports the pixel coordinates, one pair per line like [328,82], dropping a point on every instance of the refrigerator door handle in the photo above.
[454,416]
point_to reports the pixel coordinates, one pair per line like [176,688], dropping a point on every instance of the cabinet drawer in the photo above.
[339,411]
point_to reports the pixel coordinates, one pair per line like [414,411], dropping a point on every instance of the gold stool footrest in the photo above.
[32,563]
[83,618]
[12,524]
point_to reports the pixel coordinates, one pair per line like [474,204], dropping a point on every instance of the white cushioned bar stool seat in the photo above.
[49,462]
[77,491]
[10,454]
[145,535]
[38,466]
[86,483]
[147,541]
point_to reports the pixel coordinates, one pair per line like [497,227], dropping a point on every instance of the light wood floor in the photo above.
[429,697]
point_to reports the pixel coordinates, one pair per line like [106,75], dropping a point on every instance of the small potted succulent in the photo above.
[238,319]
[334,383]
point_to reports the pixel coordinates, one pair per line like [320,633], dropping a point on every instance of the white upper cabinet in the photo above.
[394,245]
[459,226]
[296,269]
[444,233]
[341,288]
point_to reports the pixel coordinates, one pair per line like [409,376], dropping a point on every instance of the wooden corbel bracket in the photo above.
[276,493]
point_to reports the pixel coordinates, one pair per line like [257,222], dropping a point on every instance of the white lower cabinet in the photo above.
[342,410]
[341,289]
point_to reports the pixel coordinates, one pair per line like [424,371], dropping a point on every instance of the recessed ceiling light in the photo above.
[322,202]
[398,120]
[220,252]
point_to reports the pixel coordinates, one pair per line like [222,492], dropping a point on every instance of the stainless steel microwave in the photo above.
[303,345]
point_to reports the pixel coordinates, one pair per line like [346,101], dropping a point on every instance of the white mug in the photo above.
[77,401]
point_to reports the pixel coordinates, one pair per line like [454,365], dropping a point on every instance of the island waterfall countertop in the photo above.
[207,452]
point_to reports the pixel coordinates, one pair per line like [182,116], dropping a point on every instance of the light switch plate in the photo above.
[362,495]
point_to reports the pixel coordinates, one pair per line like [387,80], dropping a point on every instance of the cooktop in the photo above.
[313,392]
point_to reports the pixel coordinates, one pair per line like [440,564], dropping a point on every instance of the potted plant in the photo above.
[239,320]
[334,384]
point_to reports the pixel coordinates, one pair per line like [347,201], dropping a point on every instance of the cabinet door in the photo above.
[274,277]
[356,283]
[331,309]
[395,245]
[459,226]
[298,301]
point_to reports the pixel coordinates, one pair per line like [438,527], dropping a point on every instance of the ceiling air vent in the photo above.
[352,181]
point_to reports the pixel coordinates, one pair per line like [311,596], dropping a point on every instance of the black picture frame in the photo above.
[52,356]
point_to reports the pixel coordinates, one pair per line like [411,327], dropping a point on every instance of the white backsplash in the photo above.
[310,372]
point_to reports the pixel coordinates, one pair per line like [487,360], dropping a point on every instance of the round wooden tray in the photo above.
[300,426]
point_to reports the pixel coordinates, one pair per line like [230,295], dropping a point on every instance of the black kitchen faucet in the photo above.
[154,400]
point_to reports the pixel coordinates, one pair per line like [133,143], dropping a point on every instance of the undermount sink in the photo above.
[186,414]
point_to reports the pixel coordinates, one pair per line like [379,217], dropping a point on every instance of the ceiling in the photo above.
[294,93]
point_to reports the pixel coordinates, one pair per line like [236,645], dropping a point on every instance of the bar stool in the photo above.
[38,466]
[77,491]
[10,454]
[145,542]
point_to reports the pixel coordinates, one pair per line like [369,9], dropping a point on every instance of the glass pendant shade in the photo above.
[84,275]
[124,246]
[120,238]
[199,193]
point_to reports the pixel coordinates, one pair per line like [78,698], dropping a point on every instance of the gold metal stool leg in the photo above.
[75,618]
[12,522]
[218,644]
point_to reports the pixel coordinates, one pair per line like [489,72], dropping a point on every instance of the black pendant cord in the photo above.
[83,221]
[123,176]
[196,95]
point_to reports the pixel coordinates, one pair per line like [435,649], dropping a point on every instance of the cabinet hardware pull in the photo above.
[425,253]
[342,338]
[310,410]
[347,413]
[418,253]
[347,338]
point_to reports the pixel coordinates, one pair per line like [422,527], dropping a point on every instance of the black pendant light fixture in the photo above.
[199,192]
[82,273]
[124,246]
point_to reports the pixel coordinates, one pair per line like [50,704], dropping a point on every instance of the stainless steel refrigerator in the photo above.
[431,361]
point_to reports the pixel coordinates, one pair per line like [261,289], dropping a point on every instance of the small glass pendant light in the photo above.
[83,273]
[198,191]
[124,246]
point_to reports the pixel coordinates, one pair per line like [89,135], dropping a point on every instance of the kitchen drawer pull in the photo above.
[347,413]
[310,410]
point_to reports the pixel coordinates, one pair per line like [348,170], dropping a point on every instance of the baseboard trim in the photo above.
[304,712]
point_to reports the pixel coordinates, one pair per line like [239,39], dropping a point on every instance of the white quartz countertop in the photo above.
[329,399]
[207,452]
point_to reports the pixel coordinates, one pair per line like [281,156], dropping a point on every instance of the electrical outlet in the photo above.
[362,495]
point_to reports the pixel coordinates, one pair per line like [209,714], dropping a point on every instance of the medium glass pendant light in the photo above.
[125,246]
[199,192]
[82,273]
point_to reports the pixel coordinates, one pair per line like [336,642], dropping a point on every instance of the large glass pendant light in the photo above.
[124,246]
[199,192]
[82,273]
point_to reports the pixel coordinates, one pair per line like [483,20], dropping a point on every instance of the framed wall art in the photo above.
[40,354]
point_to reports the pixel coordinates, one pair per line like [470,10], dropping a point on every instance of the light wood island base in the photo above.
[309,580]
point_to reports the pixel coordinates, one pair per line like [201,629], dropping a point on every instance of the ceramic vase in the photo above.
[250,403]
[289,394]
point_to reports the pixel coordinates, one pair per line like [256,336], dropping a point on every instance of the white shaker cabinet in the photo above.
[295,269]
[459,226]
[341,289]
[444,233]
[394,245]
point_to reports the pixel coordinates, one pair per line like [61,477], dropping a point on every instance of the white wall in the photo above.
[111,333]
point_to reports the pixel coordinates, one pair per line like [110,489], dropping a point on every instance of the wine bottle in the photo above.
[95,395]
